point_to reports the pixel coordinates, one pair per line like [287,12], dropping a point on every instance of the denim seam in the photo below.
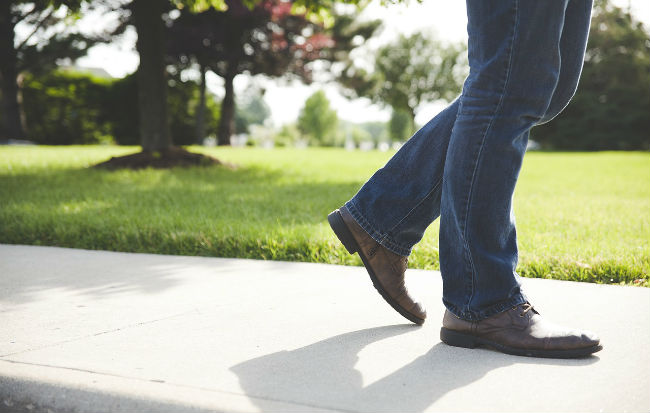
[480,151]
[438,182]
[542,119]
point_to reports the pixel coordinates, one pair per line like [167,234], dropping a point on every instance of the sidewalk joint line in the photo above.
[126,327]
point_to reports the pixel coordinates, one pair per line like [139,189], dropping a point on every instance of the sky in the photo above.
[444,19]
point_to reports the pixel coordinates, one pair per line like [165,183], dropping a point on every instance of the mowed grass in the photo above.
[580,216]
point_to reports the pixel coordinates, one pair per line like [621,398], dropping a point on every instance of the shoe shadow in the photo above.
[322,375]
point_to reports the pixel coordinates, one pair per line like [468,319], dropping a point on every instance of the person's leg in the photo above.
[402,199]
[391,211]
[517,78]
[525,61]
[573,45]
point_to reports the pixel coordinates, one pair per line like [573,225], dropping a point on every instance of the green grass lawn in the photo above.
[580,216]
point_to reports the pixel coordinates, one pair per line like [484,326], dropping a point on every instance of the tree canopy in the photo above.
[266,39]
[38,51]
[410,71]
[318,121]
[612,105]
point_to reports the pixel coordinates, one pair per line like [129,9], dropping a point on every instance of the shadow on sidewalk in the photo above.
[28,271]
[323,374]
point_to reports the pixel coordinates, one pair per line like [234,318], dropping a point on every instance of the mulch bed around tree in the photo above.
[161,159]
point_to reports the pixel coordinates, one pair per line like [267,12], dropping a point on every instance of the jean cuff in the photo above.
[381,237]
[471,315]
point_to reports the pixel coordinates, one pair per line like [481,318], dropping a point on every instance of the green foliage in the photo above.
[122,107]
[412,70]
[358,135]
[612,105]
[581,217]
[252,110]
[197,6]
[182,104]
[400,126]
[49,36]
[64,108]
[373,131]
[348,33]
[376,129]
[287,136]
[318,122]
[265,39]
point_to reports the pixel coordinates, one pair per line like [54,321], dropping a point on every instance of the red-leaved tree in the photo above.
[266,39]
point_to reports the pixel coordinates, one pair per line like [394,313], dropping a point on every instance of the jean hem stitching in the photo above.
[382,238]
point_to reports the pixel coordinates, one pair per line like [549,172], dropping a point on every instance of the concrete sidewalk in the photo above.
[92,331]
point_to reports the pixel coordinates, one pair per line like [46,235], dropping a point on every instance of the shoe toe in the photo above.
[589,339]
[419,311]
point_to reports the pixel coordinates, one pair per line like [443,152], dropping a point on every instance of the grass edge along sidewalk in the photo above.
[580,216]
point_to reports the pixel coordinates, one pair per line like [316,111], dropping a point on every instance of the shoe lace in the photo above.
[526,307]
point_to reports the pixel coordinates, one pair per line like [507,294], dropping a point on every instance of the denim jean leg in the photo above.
[402,199]
[573,44]
[514,55]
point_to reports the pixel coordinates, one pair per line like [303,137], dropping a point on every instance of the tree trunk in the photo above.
[411,112]
[12,127]
[227,120]
[200,110]
[152,84]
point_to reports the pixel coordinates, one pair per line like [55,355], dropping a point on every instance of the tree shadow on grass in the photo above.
[156,211]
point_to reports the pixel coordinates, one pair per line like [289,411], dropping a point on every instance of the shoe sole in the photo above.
[458,339]
[350,243]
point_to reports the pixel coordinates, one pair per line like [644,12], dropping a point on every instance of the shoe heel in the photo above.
[342,232]
[454,338]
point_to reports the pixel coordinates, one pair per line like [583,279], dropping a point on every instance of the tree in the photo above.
[413,70]
[252,110]
[400,126]
[65,107]
[152,92]
[288,135]
[121,108]
[358,135]
[318,121]
[155,136]
[147,17]
[152,88]
[610,109]
[41,17]
[266,39]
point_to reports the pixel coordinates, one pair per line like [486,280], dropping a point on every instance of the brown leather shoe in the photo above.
[386,269]
[520,331]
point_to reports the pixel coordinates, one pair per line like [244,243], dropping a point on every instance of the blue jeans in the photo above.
[525,59]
